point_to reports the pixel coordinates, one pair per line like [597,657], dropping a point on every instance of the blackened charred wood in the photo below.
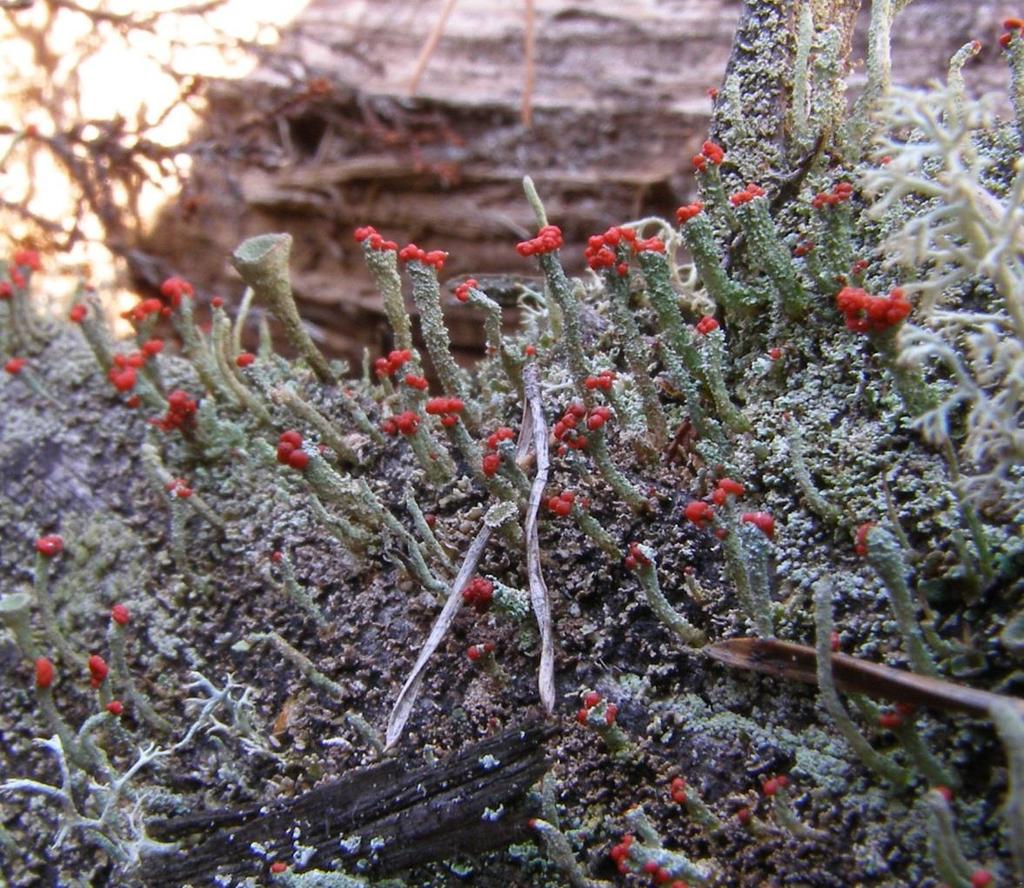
[474,802]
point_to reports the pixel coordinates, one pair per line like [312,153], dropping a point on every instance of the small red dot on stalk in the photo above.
[462,290]
[123,380]
[478,592]
[98,670]
[982,878]
[490,464]
[560,506]
[44,673]
[407,422]
[120,615]
[298,459]
[677,790]
[685,213]
[713,152]
[861,538]
[890,720]
[290,437]
[50,545]
[174,288]
[699,513]
[762,521]
[27,259]
[733,488]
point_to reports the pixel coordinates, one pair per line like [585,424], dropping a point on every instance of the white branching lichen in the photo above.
[955,217]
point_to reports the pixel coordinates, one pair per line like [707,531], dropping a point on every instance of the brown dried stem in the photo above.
[784,659]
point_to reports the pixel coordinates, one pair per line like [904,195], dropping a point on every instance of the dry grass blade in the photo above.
[798,662]
[410,690]
[524,442]
[533,420]
[538,589]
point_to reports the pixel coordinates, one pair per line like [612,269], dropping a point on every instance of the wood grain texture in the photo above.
[619,102]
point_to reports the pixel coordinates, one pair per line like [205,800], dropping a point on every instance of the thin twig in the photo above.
[429,46]
[529,44]
[797,662]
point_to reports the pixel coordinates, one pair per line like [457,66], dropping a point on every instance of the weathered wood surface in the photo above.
[391,815]
[619,105]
